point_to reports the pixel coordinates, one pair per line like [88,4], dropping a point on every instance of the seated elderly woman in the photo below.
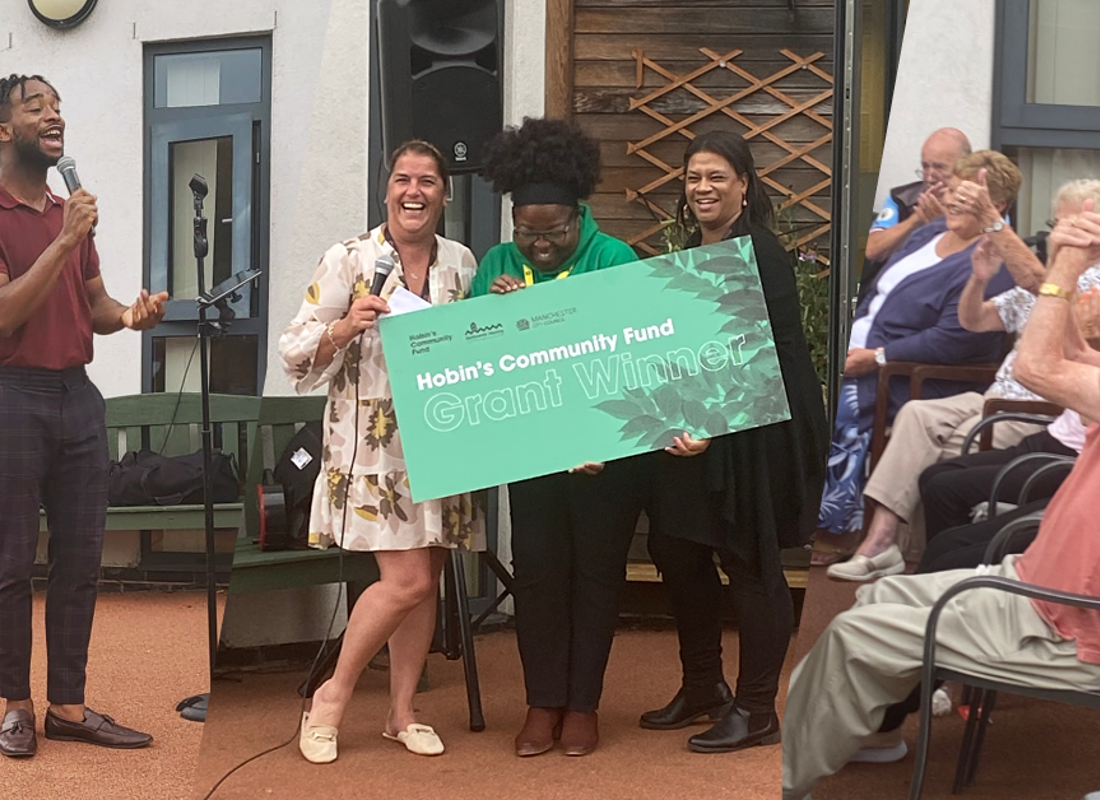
[911,314]
[869,658]
[929,431]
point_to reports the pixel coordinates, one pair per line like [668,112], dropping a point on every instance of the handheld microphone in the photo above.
[383,266]
[66,165]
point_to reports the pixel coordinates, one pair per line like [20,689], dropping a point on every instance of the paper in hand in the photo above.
[402,301]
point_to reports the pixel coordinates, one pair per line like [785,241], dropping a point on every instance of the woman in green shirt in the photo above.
[570,536]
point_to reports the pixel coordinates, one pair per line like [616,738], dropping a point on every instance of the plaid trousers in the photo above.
[53,453]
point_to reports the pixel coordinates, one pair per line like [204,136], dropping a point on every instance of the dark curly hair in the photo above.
[8,86]
[543,151]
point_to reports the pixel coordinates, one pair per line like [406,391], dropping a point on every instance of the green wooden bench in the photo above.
[171,424]
[257,571]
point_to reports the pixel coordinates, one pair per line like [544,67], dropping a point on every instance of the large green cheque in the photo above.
[595,367]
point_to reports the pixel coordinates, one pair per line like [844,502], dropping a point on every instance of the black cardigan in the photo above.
[767,481]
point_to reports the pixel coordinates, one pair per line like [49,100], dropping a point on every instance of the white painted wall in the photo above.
[318,172]
[524,96]
[320,177]
[945,79]
[97,69]
[524,77]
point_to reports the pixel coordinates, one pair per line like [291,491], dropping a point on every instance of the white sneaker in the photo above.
[862,569]
[941,703]
[881,748]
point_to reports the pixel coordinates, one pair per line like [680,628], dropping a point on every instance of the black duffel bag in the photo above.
[146,478]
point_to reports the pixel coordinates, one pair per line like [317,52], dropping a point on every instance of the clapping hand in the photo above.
[146,311]
[1079,233]
[929,205]
[985,261]
[1086,313]
[973,198]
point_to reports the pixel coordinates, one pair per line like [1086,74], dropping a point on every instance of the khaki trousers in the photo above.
[870,658]
[924,432]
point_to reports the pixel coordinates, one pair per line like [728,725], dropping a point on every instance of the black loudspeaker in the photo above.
[441,75]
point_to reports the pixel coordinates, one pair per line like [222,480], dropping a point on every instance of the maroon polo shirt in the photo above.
[58,334]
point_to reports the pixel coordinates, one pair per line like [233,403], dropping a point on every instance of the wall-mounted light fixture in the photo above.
[62,13]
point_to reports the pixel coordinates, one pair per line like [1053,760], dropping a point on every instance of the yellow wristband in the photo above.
[1054,290]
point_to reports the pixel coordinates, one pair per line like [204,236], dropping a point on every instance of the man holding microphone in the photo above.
[53,438]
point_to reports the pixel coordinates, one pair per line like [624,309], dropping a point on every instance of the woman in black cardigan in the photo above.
[743,496]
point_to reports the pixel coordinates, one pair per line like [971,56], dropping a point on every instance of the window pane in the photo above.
[213,159]
[1063,60]
[1044,171]
[208,79]
[233,365]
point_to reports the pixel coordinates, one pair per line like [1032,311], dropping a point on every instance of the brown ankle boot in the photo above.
[542,727]
[580,733]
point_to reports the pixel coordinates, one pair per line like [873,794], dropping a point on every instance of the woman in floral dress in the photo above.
[362,499]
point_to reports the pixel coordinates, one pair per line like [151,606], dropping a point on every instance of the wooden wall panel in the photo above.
[621,51]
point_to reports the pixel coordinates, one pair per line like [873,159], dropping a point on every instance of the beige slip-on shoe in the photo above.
[317,743]
[417,738]
[861,568]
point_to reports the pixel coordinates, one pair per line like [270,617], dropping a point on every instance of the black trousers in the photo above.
[950,489]
[963,547]
[570,537]
[53,453]
[684,523]
[765,614]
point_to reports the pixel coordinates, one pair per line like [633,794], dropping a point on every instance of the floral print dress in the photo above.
[380,514]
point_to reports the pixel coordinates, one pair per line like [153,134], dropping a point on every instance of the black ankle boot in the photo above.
[737,730]
[686,707]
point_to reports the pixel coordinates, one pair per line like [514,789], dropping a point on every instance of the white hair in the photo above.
[1077,192]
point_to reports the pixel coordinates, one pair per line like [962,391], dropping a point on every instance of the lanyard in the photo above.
[529,276]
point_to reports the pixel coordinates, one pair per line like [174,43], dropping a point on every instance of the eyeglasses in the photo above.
[934,169]
[558,236]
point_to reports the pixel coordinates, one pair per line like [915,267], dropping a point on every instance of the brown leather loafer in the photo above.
[580,733]
[17,737]
[95,729]
[542,727]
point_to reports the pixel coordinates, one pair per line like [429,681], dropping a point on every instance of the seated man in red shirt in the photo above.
[869,658]
[53,438]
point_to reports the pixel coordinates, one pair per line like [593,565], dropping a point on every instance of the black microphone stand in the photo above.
[194,707]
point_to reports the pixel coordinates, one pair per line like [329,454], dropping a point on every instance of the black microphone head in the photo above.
[66,165]
[383,265]
[198,185]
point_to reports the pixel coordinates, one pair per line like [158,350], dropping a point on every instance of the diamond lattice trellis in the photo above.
[787,196]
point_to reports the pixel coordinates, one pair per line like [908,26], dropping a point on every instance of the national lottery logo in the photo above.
[476,331]
[460,151]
